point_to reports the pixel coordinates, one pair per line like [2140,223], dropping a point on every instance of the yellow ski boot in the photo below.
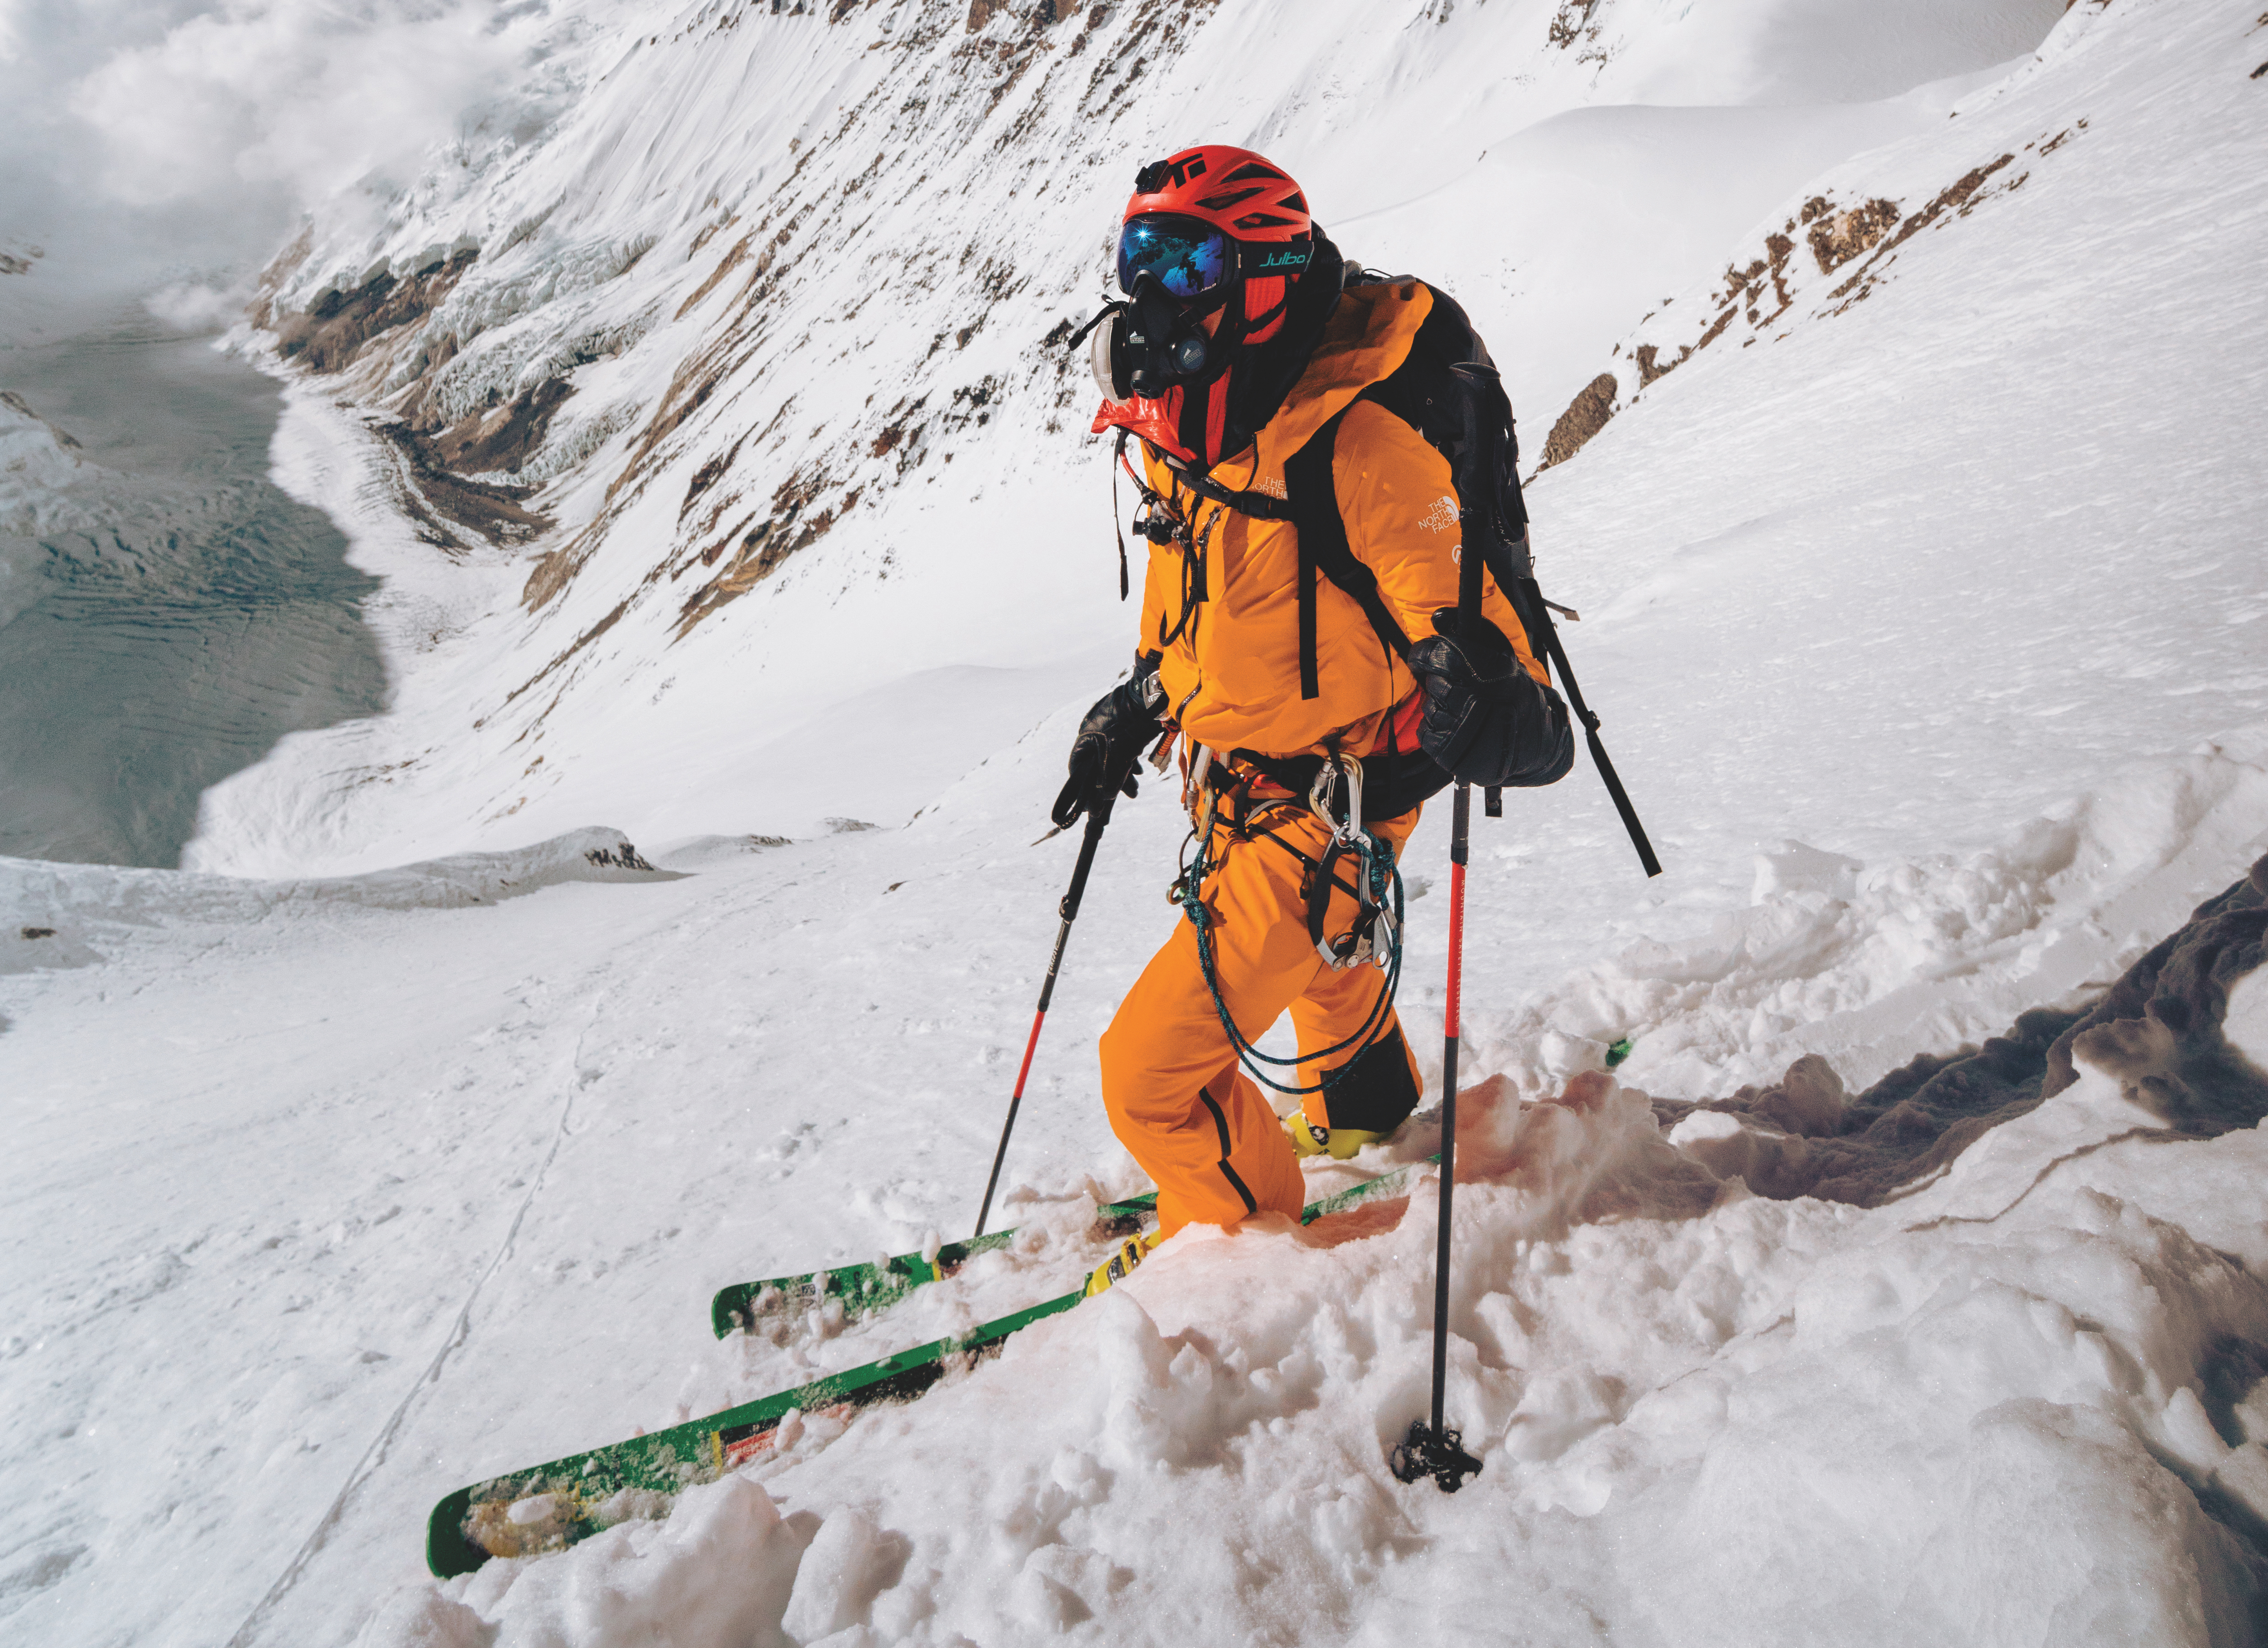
[1338,1144]
[1128,1253]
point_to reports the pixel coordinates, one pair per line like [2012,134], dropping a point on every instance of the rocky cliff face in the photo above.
[809,249]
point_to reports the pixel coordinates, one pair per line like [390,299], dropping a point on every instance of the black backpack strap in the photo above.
[1314,511]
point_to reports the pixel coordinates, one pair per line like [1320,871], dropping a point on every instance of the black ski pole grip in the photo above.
[1097,816]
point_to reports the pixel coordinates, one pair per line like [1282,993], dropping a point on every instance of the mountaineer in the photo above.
[1293,414]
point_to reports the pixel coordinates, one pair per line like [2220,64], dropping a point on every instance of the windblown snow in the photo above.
[1907,1284]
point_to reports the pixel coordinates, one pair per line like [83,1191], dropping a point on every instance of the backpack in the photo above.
[1449,390]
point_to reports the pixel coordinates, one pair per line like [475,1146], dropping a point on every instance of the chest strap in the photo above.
[1258,505]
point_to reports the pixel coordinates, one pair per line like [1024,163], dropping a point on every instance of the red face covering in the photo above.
[1190,421]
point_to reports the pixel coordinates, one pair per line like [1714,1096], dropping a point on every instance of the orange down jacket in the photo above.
[1231,660]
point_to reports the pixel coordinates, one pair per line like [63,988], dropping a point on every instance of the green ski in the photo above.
[548,1507]
[552,1506]
[866,1288]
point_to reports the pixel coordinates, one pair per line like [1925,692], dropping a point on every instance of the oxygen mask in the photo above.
[1142,347]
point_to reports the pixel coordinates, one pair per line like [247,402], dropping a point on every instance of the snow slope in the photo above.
[390,1190]
[1976,1417]
[796,278]
[405,1178]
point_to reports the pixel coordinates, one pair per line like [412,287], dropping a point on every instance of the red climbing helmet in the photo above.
[1210,218]
[1243,195]
[1211,229]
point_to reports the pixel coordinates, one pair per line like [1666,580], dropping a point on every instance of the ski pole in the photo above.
[1448,1453]
[1469,566]
[1098,816]
[1433,1449]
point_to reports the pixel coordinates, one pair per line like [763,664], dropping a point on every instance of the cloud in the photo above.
[192,306]
[302,99]
[148,142]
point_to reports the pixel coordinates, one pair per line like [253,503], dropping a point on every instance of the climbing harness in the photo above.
[1375,935]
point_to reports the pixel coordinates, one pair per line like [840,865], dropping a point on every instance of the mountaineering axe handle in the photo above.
[1607,774]
[1526,597]
[1472,531]
[1098,816]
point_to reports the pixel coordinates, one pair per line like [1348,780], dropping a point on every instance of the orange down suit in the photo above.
[1171,1081]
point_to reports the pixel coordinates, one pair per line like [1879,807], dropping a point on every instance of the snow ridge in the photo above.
[1836,244]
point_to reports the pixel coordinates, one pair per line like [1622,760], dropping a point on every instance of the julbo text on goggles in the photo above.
[1187,255]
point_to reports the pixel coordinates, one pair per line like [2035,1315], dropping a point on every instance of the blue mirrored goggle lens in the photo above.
[1187,257]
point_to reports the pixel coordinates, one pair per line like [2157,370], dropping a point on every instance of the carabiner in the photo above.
[1388,933]
[1323,793]
[1353,829]
[1199,764]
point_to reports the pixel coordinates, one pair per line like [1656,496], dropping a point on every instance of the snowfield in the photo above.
[1920,560]
[453,1158]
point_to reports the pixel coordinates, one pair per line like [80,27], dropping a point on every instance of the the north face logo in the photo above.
[1442,517]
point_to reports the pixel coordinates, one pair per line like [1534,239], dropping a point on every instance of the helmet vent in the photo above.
[1262,220]
[1252,171]
[1293,202]
[1222,203]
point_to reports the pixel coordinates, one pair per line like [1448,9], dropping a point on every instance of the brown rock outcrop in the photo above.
[1584,416]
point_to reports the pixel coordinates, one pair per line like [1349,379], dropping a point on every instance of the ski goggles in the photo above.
[1187,255]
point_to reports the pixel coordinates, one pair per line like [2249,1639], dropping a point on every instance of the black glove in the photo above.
[1487,720]
[1111,742]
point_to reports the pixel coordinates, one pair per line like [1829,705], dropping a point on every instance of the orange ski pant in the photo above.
[1199,1126]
